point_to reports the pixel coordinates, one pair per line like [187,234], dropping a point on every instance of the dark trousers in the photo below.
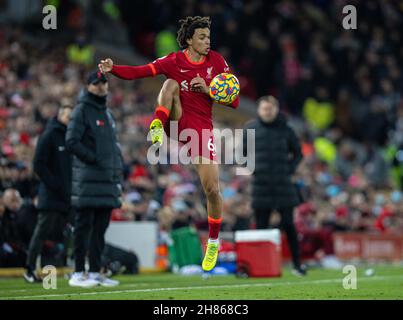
[262,217]
[89,236]
[48,222]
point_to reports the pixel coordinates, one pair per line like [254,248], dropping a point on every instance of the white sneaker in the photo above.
[102,280]
[331,262]
[78,279]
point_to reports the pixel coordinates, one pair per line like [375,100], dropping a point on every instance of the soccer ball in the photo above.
[224,88]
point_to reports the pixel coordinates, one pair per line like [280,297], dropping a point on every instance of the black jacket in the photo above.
[52,163]
[97,162]
[277,154]
[9,230]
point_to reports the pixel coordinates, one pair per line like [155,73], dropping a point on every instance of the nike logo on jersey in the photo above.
[182,70]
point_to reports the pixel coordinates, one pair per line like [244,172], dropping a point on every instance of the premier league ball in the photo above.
[224,88]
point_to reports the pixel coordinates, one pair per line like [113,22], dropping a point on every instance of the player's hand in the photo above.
[106,65]
[199,85]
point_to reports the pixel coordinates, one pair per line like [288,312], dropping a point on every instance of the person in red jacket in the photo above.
[184,97]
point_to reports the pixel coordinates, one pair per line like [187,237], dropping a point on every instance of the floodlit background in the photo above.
[341,90]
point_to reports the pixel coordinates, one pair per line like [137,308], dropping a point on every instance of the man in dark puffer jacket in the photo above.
[96,178]
[52,164]
[277,155]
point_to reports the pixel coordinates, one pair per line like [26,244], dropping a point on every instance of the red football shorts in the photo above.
[195,134]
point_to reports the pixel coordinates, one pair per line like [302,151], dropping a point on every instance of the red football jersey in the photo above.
[196,106]
[179,67]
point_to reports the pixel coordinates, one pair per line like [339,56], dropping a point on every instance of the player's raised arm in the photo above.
[127,72]
[106,65]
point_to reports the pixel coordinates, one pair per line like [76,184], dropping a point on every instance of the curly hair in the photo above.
[188,26]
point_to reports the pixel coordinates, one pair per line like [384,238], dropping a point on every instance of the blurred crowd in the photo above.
[340,88]
[305,53]
[35,81]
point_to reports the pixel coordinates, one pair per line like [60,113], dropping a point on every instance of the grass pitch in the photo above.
[386,283]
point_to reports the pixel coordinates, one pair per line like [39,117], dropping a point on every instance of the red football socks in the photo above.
[214,226]
[162,113]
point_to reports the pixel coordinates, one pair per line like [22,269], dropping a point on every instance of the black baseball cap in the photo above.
[95,77]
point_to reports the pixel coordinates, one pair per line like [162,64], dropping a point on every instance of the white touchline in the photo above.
[14,290]
[272,284]
[129,285]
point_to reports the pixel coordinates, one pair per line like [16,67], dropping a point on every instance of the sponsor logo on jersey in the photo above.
[184,85]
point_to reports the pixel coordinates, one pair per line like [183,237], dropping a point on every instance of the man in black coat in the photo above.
[52,164]
[96,181]
[277,155]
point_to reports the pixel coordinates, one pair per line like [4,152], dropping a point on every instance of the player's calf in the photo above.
[169,100]
[169,107]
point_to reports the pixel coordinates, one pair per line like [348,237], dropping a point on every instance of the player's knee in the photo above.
[170,87]
[212,192]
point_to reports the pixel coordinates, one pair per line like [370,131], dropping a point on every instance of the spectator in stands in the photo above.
[52,164]
[81,52]
[13,249]
[277,155]
[316,238]
[96,179]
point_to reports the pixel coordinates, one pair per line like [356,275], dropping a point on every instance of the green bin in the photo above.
[185,248]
